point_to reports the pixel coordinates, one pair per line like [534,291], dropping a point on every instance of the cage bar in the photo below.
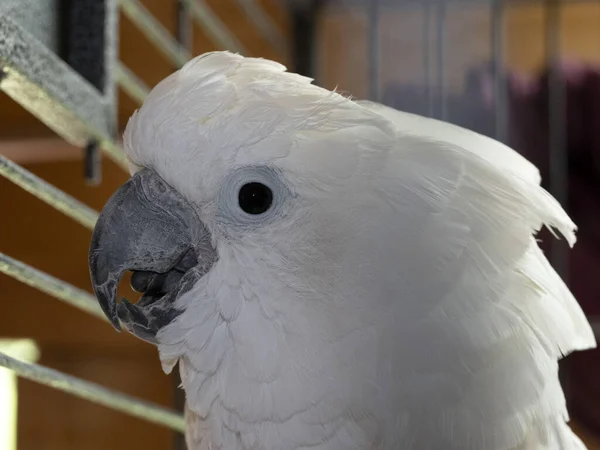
[47,87]
[46,192]
[50,285]
[214,26]
[440,52]
[95,393]
[304,18]
[264,25]
[557,137]
[133,86]
[374,51]
[184,32]
[427,50]
[498,11]
[157,34]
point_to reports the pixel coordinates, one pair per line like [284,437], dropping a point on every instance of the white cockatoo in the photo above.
[333,274]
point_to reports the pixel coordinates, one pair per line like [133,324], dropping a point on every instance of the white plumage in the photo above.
[396,297]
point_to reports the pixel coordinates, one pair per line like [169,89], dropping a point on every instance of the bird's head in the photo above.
[249,184]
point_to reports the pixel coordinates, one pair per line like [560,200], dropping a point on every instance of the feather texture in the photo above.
[398,300]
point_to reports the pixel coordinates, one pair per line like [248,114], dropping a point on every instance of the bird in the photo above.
[333,274]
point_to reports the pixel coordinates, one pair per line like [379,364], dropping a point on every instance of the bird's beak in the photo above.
[149,228]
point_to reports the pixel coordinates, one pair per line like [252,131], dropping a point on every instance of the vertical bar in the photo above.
[500,81]
[374,51]
[427,47]
[556,125]
[87,43]
[92,163]
[184,32]
[557,149]
[304,29]
[441,58]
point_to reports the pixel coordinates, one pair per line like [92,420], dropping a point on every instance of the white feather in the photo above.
[399,300]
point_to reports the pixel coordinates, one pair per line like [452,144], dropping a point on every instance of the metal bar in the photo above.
[43,190]
[50,285]
[131,84]
[557,151]
[500,82]
[214,26]
[155,32]
[427,58]
[557,138]
[185,30]
[441,59]
[95,393]
[52,91]
[304,30]
[114,148]
[92,164]
[264,24]
[374,54]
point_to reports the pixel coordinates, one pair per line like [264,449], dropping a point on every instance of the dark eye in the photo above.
[255,198]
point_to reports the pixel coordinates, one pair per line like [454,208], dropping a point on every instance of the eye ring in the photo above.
[255,198]
[264,181]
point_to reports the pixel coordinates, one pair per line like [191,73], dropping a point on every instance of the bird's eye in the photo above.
[252,196]
[255,198]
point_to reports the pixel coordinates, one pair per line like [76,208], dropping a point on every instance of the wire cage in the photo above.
[497,67]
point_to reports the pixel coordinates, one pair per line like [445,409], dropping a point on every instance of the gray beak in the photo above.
[148,228]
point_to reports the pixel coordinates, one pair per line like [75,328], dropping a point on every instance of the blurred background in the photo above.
[525,72]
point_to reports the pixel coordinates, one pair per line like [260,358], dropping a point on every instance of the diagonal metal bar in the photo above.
[264,24]
[46,192]
[95,393]
[155,32]
[214,26]
[52,91]
[131,84]
[50,285]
